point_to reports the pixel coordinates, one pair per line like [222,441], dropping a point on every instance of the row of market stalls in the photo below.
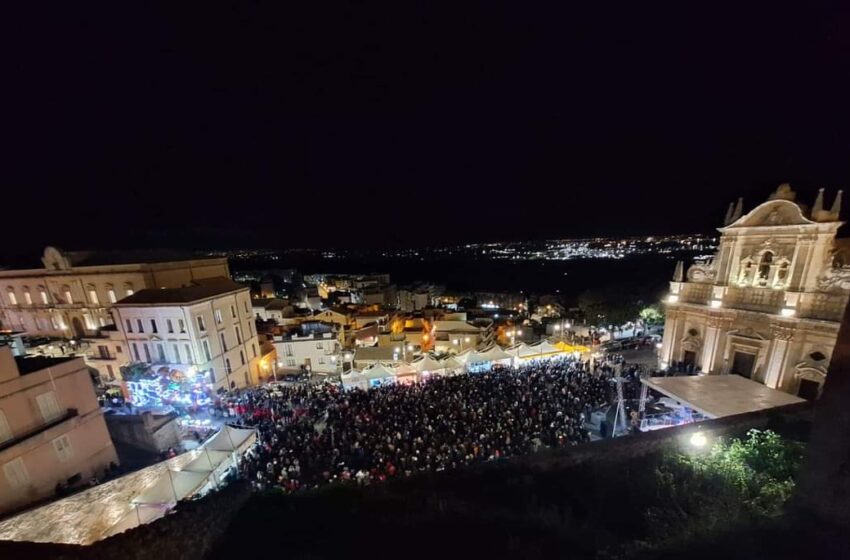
[134,499]
[469,361]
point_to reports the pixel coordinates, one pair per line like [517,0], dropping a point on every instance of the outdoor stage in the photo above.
[716,396]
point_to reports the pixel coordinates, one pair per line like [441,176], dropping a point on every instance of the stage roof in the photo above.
[717,396]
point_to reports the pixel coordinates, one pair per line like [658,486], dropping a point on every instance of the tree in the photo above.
[652,314]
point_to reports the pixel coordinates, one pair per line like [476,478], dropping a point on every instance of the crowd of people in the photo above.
[312,435]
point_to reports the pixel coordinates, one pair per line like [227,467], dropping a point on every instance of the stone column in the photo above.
[709,347]
[782,335]
[671,331]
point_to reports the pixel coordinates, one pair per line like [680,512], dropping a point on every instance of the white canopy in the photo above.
[172,488]
[427,364]
[518,350]
[494,354]
[405,369]
[464,356]
[377,371]
[451,363]
[207,461]
[230,439]
[354,378]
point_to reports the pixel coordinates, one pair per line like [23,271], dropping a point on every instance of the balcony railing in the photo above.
[22,437]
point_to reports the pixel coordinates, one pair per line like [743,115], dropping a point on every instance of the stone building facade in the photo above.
[769,304]
[71,296]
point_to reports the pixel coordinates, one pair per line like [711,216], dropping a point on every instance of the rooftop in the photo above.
[717,396]
[196,291]
[31,364]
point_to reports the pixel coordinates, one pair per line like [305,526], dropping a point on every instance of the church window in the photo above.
[764,268]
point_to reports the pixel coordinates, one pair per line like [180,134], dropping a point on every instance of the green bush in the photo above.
[743,481]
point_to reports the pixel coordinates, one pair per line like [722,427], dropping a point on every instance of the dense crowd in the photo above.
[312,435]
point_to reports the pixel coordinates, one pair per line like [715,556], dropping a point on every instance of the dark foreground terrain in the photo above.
[636,497]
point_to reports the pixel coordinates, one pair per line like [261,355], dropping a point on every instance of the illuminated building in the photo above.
[51,428]
[769,304]
[205,327]
[317,351]
[71,295]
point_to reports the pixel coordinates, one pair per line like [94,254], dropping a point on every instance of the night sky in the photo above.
[368,124]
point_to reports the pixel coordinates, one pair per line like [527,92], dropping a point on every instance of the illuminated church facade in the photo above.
[769,304]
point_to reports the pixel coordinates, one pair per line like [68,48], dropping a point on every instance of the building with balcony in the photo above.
[456,336]
[71,295]
[316,350]
[52,429]
[769,304]
[204,328]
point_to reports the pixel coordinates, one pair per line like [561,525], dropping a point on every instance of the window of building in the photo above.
[242,356]
[48,406]
[321,359]
[254,348]
[181,325]
[13,299]
[118,349]
[90,324]
[128,288]
[136,352]
[111,294]
[227,367]
[817,356]
[223,342]
[5,430]
[218,316]
[201,326]
[206,344]
[66,290]
[147,350]
[169,326]
[43,294]
[140,325]
[764,268]
[290,362]
[212,376]
[154,328]
[28,297]
[238,335]
[176,350]
[319,345]
[62,447]
[160,350]
[16,473]
[54,322]
[93,295]
[101,321]
[129,326]
[189,356]
[233,311]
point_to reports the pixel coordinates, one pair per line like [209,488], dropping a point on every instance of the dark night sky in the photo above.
[311,124]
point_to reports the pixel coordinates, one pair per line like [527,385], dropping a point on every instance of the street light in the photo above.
[698,440]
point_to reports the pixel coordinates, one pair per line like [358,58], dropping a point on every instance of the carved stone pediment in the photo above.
[702,272]
[777,212]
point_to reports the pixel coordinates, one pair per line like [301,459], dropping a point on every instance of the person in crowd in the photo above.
[312,435]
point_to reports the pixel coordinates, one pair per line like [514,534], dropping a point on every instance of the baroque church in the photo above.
[768,305]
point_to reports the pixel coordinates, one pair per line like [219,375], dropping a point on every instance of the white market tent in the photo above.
[716,396]
[518,350]
[172,488]
[451,364]
[427,363]
[133,499]
[354,379]
[230,439]
[494,354]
